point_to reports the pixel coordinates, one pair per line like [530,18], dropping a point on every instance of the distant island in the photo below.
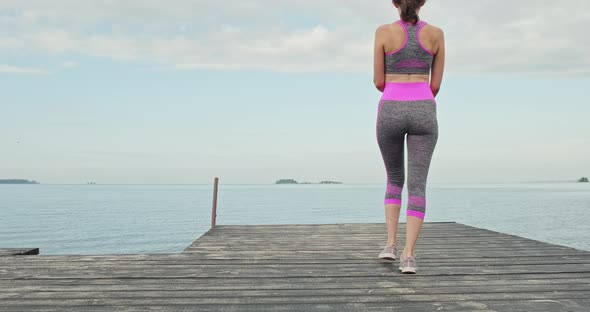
[17,181]
[292,181]
[583,179]
[286,181]
[330,182]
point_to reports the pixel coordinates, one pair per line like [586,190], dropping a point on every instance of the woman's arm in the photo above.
[379,60]
[438,64]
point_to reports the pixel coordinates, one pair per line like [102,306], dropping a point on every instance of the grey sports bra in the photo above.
[412,57]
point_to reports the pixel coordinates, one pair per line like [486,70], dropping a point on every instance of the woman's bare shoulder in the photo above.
[384,28]
[434,30]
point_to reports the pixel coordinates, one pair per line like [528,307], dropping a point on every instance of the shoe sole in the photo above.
[387,256]
[408,270]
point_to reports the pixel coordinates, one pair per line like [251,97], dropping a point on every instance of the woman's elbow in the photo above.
[379,84]
[435,88]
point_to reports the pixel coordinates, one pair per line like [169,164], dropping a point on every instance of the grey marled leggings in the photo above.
[407,110]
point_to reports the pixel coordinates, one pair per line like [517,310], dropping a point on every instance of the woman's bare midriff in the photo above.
[406,78]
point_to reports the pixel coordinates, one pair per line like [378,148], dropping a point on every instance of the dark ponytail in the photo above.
[408,9]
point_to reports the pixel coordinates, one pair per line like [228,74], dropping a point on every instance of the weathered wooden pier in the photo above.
[307,267]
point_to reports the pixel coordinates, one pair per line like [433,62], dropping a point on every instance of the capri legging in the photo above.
[407,109]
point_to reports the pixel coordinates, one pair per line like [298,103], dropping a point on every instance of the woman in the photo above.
[408,69]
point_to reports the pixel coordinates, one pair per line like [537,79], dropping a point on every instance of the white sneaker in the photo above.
[389,252]
[407,264]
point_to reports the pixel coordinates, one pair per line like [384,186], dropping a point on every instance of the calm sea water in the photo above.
[98,219]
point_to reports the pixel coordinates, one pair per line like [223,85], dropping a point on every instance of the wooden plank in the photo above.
[265,245]
[304,298]
[572,305]
[72,263]
[578,266]
[385,280]
[236,284]
[296,254]
[179,291]
[296,295]
[286,270]
[371,255]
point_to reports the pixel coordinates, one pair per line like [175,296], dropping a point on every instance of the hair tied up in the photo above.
[408,9]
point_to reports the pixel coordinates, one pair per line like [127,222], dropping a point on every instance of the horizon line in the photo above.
[350,183]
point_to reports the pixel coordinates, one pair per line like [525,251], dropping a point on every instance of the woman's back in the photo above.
[411,57]
[395,36]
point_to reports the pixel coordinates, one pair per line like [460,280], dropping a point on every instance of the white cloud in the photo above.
[528,37]
[9,69]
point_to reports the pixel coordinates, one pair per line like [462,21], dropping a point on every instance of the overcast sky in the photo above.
[254,91]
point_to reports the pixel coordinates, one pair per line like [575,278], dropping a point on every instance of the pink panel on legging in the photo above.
[414,213]
[393,201]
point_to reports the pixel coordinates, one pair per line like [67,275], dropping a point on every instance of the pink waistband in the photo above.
[407,91]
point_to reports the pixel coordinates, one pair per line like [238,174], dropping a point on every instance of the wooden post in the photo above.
[214,210]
